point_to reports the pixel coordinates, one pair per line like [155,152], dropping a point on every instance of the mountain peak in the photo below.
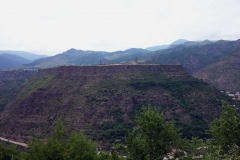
[72,49]
[179,41]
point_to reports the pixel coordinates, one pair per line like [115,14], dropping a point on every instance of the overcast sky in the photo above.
[53,26]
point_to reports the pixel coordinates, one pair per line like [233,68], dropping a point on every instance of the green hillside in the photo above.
[102,101]
[9,81]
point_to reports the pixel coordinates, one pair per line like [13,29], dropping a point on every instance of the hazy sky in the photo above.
[53,26]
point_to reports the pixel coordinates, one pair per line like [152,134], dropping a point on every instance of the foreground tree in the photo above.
[61,147]
[155,137]
[226,133]
[226,129]
[8,151]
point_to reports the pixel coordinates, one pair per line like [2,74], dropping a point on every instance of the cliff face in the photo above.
[102,101]
[105,69]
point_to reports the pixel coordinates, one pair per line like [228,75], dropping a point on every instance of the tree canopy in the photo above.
[155,137]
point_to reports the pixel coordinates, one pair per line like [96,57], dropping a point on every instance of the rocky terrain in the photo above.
[102,101]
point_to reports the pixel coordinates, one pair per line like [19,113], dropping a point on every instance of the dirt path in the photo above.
[14,142]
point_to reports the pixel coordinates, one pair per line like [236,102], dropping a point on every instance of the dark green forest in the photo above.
[154,138]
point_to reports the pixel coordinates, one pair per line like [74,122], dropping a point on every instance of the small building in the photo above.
[231,95]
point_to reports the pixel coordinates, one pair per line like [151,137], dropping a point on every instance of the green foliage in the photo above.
[185,93]
[136,146]
[193,147]
[155,138]
[59,146]
[115,130]
[7,151]
[226,129]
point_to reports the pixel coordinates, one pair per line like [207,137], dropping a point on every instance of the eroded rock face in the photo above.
[101,70]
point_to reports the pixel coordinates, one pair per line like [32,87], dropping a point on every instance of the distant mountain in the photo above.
[159,47]
[165,46]
[129,56]
[195,57]
[199,43]
[27,55]
[69,57]
[11,60]
[80,57]
[179,41]
[224,74]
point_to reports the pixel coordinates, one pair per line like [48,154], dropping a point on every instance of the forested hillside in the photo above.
[102,101]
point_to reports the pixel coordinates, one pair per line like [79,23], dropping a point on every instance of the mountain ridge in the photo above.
[10,61]
[24,54]
[223,74]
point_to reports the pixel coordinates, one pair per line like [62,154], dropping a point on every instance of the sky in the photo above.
[50,27]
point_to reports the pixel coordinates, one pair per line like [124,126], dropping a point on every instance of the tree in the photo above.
[155,137]
[58,147]
[7,151]
[226,130]
[61,147]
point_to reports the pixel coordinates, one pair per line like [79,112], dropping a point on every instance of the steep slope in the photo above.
[102,101]
[26,55]
[11,60]
[195,57]
[224,74]
[9,81]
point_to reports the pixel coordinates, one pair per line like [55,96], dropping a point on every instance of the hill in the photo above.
[224,74]
[158,47]
[102,101]
[165,46]
[10,61]
[26,55]
[9,81]
[195,57]
[80,57]
[179,41]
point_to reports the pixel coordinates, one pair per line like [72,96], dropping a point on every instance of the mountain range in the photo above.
[10,61]
[26,55]
[224,74]
[193,55]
